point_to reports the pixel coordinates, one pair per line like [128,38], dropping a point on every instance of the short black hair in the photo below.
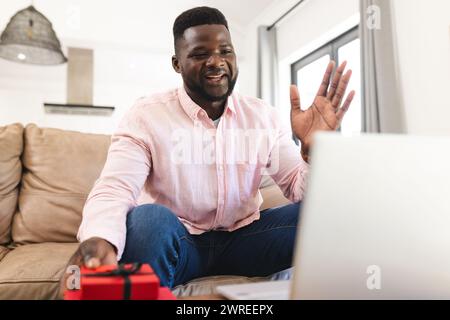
[196,17]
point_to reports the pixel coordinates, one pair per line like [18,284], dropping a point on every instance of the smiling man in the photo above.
[204,218]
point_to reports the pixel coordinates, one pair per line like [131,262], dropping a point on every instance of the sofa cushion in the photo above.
[208,285]
[33,271]
[3,252]
[11,145]
[60,168]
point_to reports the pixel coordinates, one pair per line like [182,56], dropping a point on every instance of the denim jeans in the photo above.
[156,236]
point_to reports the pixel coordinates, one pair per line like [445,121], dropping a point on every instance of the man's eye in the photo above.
[199,55]
[227,51]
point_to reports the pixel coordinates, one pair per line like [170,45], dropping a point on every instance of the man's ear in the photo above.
[176,64]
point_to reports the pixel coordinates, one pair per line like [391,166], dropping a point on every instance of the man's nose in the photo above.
[215,60]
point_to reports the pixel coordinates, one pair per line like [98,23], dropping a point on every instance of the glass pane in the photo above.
[309,79]
[351,53]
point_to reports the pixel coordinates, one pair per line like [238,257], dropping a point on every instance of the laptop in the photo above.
[375,222]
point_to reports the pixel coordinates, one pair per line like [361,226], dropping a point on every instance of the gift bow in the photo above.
[123,271]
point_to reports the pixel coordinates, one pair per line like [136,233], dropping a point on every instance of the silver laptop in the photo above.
[375,223]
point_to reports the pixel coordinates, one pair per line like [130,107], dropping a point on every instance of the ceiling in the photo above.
[242,13]
[139,23]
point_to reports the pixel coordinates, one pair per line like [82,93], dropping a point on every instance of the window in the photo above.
[307,74]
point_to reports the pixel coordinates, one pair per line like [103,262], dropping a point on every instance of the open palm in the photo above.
[326,112]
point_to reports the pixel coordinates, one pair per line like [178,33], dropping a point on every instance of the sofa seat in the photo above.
[208,285]
[33,271]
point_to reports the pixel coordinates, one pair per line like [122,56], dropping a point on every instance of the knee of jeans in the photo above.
[152,221]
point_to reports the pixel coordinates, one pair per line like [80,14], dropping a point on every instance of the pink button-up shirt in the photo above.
[167,150]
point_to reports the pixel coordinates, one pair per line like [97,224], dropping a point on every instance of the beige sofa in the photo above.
[45,177]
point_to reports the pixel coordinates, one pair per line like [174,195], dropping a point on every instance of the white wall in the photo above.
[313,24]
[423,37]
[132,44]
[120,77]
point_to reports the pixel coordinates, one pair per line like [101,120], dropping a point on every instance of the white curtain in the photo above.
[383,110]
[267,65]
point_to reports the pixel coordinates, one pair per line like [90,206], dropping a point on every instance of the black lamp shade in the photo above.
[29,38]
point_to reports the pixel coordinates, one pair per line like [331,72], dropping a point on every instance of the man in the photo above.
[204,219]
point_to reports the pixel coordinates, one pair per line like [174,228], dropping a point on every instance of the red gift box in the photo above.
[163,294]
[131,281]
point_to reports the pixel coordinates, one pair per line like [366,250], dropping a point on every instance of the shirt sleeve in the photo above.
[117,189]
[286,165]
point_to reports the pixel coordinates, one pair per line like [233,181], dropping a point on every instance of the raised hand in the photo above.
[326,112]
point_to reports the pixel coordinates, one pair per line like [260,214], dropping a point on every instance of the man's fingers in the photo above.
[340,92]
[96,252]
[92,263]
[336,79]
[91,254]
[295,98]
[326,79]
[110,259]
[75,260]
[341,112]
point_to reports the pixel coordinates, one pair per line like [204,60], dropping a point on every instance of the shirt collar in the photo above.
[231,104]
[192,109]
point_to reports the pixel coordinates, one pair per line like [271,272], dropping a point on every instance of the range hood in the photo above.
[80,86]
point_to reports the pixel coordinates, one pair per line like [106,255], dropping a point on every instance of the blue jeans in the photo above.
[156,236]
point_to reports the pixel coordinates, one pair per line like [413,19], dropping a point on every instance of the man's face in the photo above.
[206,60]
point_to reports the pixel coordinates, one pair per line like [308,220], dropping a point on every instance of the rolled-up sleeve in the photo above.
[289,170]
[116,191]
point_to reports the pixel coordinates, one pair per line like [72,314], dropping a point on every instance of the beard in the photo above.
[200,88]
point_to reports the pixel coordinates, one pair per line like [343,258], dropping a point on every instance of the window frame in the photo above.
[330,48]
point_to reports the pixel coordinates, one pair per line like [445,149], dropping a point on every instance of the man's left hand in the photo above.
[326,112]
